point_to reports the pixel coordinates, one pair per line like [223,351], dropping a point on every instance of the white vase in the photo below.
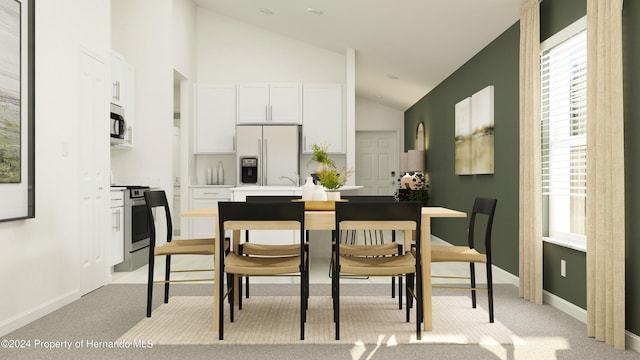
[333,195]
[319,194]
[307,189]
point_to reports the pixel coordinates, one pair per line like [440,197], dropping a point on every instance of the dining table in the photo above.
[325,220]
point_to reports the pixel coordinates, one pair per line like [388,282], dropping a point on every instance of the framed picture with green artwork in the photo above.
[17,109]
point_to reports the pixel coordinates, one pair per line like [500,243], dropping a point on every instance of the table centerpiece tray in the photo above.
[319,205]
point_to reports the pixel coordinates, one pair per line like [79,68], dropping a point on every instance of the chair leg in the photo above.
[336,300]
[393,288]
[230,279]
[472,271]
[490,290]
[409,299]
[150,282]
[221,306]
[303,301]
[167,276]
[419,304]
[400,292]
[240,292]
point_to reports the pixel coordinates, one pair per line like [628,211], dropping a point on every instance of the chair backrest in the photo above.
[380,212]
[483,206]
[263,214]
[157,199]
[368,198]
[377,235]
[272,198]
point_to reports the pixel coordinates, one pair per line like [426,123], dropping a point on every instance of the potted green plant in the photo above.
[331,179]
[320,156]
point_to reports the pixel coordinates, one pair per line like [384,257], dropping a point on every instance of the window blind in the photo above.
[564,117]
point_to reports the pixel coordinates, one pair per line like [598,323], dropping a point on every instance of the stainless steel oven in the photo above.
[136,229]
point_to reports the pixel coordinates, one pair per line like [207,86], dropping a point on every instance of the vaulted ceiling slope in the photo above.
[404,48]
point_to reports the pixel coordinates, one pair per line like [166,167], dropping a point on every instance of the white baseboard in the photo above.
[565,306]
[37,312]
[632,340]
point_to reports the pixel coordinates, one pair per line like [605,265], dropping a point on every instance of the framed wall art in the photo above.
[17,109]
[474,134]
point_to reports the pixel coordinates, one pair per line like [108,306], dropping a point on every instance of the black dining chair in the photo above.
[156,201]
[274,250]
[264,216]
[407,216]
[470,254]
[350,246]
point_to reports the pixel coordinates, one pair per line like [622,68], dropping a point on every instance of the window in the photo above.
[563,80]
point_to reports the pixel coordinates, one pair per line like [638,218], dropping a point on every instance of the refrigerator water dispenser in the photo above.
[249,170]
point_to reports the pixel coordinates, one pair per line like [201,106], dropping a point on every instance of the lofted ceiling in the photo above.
[404,48]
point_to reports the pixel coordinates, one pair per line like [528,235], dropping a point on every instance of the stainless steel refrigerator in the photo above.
[276,149]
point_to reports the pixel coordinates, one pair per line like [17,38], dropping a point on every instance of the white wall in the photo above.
[371,115]
[231,52]
[141,31]
[184,53]
[40,260]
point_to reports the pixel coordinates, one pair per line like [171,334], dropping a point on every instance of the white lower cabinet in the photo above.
[206,197]
[117,228]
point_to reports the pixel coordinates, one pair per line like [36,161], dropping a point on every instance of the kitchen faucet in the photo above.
[293,181]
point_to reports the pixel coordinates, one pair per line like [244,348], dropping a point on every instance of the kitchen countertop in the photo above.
[285,188]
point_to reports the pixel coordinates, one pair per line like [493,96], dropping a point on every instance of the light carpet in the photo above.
[275,320]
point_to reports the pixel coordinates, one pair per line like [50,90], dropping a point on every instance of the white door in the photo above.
[93,143]
[377,162]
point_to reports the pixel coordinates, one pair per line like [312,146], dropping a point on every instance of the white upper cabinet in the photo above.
[278,103]
[323,119]
[122,94]
[215,114]
[117,78]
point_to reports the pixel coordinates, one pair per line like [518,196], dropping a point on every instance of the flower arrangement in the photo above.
[326,173]
[332,179]
[414,186]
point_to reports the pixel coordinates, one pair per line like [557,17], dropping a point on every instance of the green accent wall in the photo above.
[497,65]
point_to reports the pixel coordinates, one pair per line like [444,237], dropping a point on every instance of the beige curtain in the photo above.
[605,174]
[530,213]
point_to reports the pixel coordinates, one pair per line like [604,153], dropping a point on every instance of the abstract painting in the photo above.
[474,134]
[16,109]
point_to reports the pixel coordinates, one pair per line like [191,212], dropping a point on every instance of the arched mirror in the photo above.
[420,137]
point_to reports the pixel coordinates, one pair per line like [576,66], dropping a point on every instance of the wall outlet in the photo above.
[563,268]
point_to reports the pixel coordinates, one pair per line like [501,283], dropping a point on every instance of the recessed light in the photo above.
[266,11]
[315,11]
[393,77]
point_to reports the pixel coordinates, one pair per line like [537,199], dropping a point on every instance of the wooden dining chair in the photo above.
[470,254]
[405,216]
[156,201]
[264,216]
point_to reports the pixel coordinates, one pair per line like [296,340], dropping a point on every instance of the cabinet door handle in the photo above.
[266,113]
[211,193]
[117,89]
[264,162]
